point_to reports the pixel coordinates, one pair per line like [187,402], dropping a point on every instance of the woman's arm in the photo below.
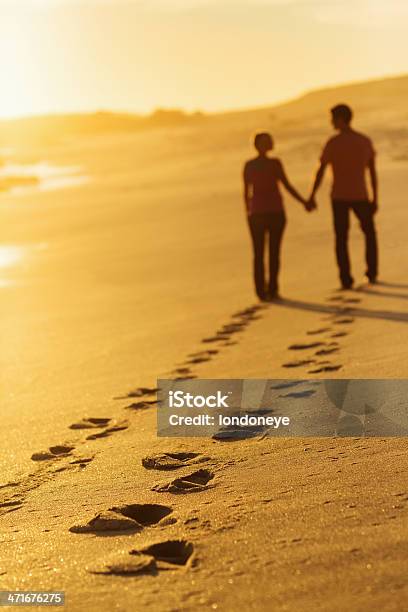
[288,186]
[247,189]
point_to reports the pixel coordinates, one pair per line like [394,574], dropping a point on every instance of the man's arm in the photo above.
[374,182]
[318,180]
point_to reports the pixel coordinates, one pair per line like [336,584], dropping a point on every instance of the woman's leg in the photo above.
[257,229]
[277,223]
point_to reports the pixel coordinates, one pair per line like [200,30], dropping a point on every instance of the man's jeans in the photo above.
[341,217]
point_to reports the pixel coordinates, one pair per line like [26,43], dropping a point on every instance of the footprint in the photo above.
[116,426]
[240,433]
[12,505]
[91,423]
[235,326]
[142,405]
[82,461]
[54,452]
[9,485]
[297,394]
[298,364]
[352,301]
[345,321]
[126,564]
[288,385]
[211,339]
[133,517]
[232,329]
[181,371]
[172,461]
[339,335]
[195,360]
[326,368]
[302,347]
[173,552]
[192,483]
[327,351]
[314,332]
[8,504]
[140,392]
[247,312]
[223,336]
[204,353]
[149,560]
[252,318]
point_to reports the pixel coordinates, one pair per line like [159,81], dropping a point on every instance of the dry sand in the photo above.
[120,281]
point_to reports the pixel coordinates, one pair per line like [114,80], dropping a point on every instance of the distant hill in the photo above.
[49,128]
[386,96]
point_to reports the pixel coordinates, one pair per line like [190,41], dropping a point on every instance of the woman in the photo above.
[266,215]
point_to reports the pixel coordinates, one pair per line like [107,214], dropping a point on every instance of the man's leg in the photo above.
[365,214]
[341,220]
[276,225]
[257,229]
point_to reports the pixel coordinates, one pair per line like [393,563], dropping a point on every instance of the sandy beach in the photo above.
[122,278]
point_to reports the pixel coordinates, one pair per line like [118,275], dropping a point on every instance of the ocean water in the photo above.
[41,176]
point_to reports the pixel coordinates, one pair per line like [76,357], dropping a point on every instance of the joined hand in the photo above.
[310,205]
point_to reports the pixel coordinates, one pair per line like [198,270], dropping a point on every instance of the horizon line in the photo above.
[191,112]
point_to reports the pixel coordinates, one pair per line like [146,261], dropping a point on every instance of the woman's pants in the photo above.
[261,225]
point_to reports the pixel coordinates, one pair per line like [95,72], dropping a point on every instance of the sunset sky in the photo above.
[137,55]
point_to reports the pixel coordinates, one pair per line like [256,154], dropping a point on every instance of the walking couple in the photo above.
[350,154]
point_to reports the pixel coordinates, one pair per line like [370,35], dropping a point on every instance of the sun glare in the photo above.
[61,56]
[10,256]
[16,68]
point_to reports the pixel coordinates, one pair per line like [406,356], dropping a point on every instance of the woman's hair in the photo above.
[261,136]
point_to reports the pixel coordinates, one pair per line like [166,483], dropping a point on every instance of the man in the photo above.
[350,154]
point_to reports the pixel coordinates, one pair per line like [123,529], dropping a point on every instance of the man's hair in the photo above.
[342,111]
[259,137]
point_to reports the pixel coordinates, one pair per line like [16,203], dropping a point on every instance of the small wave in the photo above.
[42,176]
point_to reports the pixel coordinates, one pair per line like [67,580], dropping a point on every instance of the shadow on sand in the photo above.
[392,285]
[390,294]
[387,315]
